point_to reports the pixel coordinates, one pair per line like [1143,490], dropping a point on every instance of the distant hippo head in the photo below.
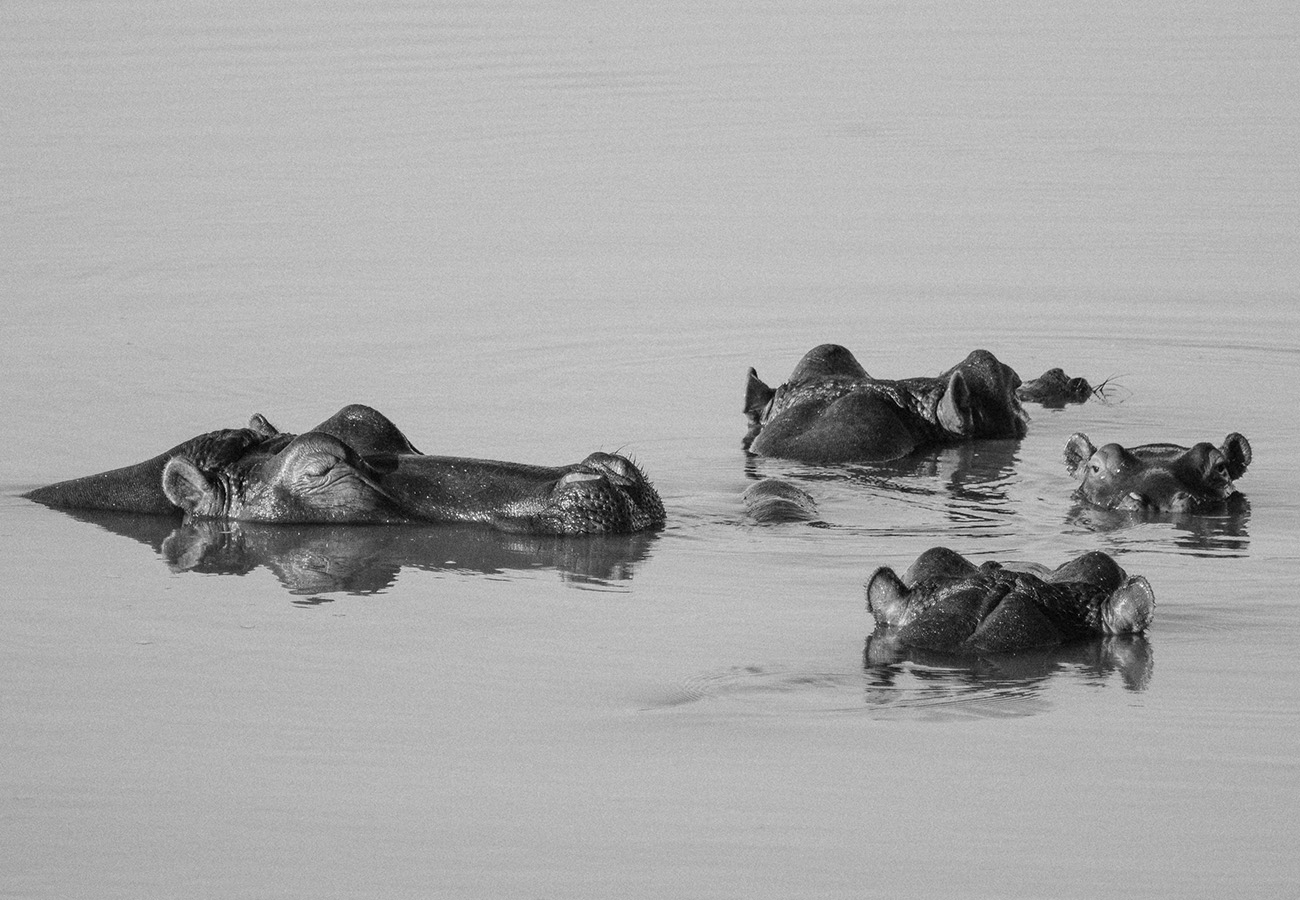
[1157,477]
[1055,389]
[313,477]
[980,399]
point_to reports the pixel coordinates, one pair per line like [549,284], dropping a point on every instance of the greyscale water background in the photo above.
[531,231]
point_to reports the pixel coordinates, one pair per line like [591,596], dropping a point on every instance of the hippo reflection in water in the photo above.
[832,411]
[358,467]
[944,602]
[1158,478]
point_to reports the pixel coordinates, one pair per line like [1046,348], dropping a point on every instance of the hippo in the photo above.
[358,468]
[1158,478]
[1055,389]
[832,411]
[773,501]
[946,603]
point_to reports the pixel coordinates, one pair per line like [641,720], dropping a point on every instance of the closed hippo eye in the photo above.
[317,466]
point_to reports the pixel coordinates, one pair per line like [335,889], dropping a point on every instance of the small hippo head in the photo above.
[313,477]
[1055,389]
[1157,477]
[604,494]
[979,399]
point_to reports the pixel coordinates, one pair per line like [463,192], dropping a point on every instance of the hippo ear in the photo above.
[1130,608]
[260,426]
[187,487]
[1236,449]
[886,597]
[955,406]
[1078,450]
[757,395]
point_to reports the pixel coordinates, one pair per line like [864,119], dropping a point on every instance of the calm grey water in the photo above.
[530,231]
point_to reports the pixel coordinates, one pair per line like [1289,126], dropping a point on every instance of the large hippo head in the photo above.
[946,603]
[313,477]
[1157,477]
[358,468]
[832,411]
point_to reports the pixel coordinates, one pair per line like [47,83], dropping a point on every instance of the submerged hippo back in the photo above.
[138,488]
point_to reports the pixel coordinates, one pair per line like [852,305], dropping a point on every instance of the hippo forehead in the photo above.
[1112,460]
[313,477]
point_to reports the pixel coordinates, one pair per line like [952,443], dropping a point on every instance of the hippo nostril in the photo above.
[1132,501]
[576,477]
[618,469]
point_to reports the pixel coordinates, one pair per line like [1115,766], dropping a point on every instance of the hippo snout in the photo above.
[604,494]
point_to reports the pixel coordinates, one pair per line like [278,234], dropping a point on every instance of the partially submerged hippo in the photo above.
[358,467]
[831,410]
[946,603]
[773,501]
[1158,478]
[1055,389]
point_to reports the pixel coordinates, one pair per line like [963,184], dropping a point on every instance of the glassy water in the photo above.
[529,232]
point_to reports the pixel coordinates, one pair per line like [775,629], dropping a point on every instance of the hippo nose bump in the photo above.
[579,476]
[618,469]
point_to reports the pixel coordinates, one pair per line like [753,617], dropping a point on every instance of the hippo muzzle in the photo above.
[603,494]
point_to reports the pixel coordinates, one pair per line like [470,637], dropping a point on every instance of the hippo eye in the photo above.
[317,466]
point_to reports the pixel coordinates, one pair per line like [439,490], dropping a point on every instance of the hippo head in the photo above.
[604,494]
[313,477]
[1055,389]
[979,399]
[1157,477]
[946,603]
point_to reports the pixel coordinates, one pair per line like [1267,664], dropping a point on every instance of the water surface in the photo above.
[531,232]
